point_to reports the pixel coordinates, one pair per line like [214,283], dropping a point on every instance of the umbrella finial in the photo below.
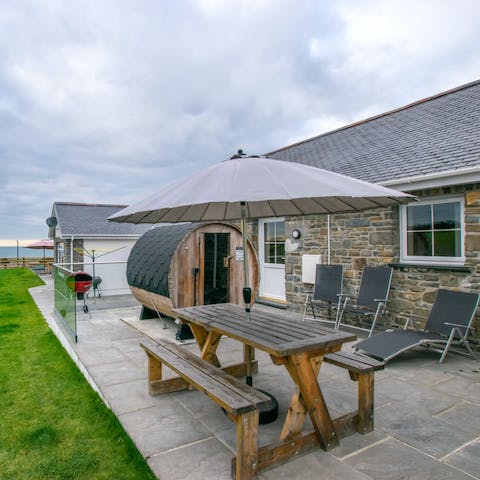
[239,154]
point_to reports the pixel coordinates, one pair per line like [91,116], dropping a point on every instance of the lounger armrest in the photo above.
[458,326]
[381,303]
[344,298]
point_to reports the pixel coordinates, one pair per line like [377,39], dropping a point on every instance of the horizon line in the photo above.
[13,243]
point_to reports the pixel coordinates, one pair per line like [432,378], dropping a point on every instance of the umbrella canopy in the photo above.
[41,244]
[266,188]
[45,244]
[258,187]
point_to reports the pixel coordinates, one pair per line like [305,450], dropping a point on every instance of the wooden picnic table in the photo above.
[298,345]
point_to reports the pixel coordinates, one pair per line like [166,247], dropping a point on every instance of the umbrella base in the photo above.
[269,411]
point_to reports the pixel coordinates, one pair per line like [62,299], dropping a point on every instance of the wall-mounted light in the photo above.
[296,234]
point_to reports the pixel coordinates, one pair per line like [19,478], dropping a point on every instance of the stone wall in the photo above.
[373,238]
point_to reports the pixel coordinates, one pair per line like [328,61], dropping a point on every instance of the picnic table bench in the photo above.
[361,369]
[240,401]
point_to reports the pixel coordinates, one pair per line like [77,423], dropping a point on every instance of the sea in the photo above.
[11,252]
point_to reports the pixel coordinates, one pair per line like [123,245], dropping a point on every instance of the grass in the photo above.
[52,424]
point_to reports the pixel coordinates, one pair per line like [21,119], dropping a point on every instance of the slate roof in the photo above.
[436,134]
[150,257]
[82,219]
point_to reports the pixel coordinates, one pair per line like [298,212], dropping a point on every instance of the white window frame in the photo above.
[427,260]
[261,236]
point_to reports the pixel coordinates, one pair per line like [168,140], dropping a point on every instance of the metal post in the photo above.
[328,239]
[244,244]
[247,294]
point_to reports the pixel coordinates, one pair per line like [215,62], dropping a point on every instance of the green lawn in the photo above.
[52,424]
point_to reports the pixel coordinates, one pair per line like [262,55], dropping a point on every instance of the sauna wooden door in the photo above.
[216,268]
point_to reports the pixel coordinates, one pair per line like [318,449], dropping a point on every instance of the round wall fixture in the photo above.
[296,234]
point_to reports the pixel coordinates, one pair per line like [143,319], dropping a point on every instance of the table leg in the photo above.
[248,354]
[207,342]
[310,394]
[297,411]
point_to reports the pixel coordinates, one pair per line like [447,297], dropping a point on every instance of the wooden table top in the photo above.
[280,334]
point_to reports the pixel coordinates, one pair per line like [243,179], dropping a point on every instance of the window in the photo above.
[432,232]
[274,242]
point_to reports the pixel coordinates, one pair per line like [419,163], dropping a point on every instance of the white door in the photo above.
[271,240]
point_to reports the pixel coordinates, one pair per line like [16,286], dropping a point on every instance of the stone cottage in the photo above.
[431,149]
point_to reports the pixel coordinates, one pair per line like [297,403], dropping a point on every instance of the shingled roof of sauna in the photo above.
[85,219]
[150,258]
[438,133]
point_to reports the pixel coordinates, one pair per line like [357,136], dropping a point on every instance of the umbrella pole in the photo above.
[269,411]
[247,291]
[247,294]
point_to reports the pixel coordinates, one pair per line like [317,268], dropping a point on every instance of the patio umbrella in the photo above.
[45,244]
[247,187]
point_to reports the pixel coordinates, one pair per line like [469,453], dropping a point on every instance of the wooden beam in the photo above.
[280,452]
[313,400]
[240,369]
[209,348]
[169,385]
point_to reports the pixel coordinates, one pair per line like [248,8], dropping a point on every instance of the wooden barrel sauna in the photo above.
[180,265]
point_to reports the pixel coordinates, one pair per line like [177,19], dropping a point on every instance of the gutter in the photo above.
[101,236]
[433,180]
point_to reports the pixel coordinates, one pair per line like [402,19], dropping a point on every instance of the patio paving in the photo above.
[427,416]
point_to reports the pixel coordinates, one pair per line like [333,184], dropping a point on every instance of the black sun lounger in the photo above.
[327,292]
[448,323]
[371,301]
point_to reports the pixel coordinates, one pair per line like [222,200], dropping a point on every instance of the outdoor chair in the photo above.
[371,301]
[327,292]
[448,324]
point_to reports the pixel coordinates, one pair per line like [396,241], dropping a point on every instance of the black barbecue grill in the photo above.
[80,283]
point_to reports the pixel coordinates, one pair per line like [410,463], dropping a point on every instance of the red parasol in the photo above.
[45,244]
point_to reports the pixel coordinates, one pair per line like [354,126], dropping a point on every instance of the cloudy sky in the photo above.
[105,101]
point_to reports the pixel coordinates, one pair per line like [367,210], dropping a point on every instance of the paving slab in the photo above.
[422,431]
[393,460]
[460,386]
[315,466]
[162,427]
[467,459]
[131,396]
[415,395]
[463,415]
[355,443]
[206,459]
[98,353]
[117,372]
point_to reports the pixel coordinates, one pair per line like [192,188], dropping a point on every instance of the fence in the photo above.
[75,284]
[65,300]
[36,264]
